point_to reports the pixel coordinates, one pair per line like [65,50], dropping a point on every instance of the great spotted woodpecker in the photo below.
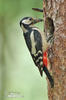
[37,44]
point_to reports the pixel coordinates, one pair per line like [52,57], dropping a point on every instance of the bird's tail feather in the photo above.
[48,76]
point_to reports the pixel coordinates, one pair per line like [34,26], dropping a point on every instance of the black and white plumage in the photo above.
[36,42]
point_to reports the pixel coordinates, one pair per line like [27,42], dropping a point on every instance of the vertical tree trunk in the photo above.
[56,9]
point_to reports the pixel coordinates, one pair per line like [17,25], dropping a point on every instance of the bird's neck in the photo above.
[26,28]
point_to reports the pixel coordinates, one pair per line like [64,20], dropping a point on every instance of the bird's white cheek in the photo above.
[26,22]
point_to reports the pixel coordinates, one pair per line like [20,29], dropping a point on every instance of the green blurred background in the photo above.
[19,78]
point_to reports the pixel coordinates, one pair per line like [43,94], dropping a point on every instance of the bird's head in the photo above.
[28,21]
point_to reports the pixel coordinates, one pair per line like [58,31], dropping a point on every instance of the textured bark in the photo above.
[56,9]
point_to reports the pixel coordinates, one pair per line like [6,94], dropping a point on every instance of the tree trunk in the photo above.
[56,9]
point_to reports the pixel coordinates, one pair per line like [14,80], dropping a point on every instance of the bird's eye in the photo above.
[30,19]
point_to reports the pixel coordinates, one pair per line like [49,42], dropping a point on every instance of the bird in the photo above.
[37,44]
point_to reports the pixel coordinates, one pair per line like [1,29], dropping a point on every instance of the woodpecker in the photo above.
[37,44]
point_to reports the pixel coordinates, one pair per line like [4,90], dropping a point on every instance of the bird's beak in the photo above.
[35,20]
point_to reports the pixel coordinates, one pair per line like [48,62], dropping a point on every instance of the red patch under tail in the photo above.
[45,59]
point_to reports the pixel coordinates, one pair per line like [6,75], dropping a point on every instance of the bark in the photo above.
[56,9]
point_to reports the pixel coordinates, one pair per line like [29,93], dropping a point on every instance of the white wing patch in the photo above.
[33,43]
[44,41]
